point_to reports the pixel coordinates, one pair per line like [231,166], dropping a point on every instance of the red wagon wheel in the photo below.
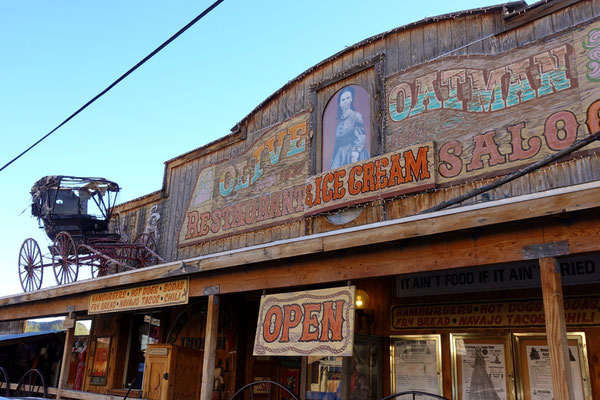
[90,259]
[145,258]
[100,267]
[64,259]
[31,270]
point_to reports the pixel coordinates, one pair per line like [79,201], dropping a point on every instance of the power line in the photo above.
[115,83]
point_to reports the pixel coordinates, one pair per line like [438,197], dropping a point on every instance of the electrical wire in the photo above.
[115,83]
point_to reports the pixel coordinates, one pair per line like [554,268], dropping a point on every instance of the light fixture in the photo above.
[361,304]
[361,300]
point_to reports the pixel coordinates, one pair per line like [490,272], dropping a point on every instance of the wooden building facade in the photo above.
[447,172]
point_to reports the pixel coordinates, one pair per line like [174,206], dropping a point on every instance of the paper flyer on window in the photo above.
[415,365]
[484,372]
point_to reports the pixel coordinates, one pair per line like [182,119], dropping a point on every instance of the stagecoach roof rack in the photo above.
[53,182]
[45,193]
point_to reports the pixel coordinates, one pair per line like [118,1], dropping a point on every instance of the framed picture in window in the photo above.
[533,366]
[290,378]
[482,366]
[416,363]
[100,361]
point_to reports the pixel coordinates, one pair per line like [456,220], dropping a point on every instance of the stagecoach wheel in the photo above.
[31,270]
[64,259]
[145,258]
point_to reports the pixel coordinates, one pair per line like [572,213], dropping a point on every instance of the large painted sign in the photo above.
[449,121]
[309,323]
[149,296]
[261,187]
[491,114]
[522,313]
[574,270]
[407,170]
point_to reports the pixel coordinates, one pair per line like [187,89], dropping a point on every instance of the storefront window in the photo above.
[365,369]
[144,330]
[79,354]
[324,378]
[356,378]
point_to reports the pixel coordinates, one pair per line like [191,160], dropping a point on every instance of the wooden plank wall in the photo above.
[465,35]
[132,220]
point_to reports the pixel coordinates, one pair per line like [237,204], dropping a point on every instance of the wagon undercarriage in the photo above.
[103,256]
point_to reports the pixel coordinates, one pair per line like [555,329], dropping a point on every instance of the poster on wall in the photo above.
[481,367]
[416,363]
[535,377]
[484,370]
[307,323]
[540,376]
[100,362]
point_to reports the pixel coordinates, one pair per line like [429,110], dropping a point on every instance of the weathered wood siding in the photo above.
[462,37]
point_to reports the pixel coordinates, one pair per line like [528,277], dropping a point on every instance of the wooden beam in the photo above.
[556,329]
[495,244]
[537,11]
[50,307]
[206,149]
[394,247]
[66,358]
[210,346]
[139,202]
[558,201]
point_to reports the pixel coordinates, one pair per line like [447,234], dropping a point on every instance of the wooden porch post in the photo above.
[210,345]
[66,358]
[556,329]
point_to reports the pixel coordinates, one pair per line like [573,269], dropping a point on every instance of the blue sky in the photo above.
[57,55]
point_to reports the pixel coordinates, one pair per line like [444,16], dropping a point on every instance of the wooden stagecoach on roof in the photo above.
[76,213]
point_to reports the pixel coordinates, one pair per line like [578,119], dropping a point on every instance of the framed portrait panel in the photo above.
[482,367]
[416,363]
[347,129]
[100,361]
[347,121]
[533,366]
[347,116]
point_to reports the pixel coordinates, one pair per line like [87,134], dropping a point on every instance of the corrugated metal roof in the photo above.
[15,336]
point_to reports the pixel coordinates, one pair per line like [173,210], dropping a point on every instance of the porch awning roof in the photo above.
[21,336]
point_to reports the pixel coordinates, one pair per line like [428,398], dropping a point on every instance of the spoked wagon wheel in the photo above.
[31,270]
[87,258]
[100,267]
[144,258]
[64,259]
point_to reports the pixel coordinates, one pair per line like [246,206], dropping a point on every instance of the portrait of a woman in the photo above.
[350,135]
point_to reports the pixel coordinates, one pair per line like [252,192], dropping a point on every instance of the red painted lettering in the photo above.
[310,324]
[485,146]
[292,315]
[332,321]
[560,130]
[272,324]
